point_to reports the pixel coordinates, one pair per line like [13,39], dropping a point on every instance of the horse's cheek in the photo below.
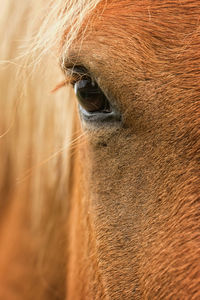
[132,184]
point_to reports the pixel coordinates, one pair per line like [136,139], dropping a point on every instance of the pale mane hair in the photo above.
[35,125]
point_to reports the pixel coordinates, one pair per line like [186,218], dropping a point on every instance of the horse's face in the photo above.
[140,157]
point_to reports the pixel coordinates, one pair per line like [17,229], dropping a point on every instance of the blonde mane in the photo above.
[35,137]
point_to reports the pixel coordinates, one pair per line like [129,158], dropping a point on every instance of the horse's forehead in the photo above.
[148,37]
[121,24]
[142,47]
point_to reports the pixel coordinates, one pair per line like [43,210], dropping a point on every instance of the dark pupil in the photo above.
[90,97]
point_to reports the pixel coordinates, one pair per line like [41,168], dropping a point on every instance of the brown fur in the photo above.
[135,233]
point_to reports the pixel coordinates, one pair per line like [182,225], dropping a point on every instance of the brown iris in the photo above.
[90,96]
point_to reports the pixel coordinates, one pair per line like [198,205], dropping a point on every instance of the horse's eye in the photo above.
[93,104]
[90,96]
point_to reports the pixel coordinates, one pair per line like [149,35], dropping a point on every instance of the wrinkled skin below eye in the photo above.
[90,96]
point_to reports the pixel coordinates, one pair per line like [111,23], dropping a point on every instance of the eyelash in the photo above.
[71,77]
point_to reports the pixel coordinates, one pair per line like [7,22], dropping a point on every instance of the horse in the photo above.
[99,179]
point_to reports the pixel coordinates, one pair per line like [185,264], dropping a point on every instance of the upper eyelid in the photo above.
[77,70]
[75,76]
[70,63]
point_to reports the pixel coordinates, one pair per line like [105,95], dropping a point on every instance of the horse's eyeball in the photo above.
[90,96]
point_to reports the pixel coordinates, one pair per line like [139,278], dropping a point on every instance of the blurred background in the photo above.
[35,133]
